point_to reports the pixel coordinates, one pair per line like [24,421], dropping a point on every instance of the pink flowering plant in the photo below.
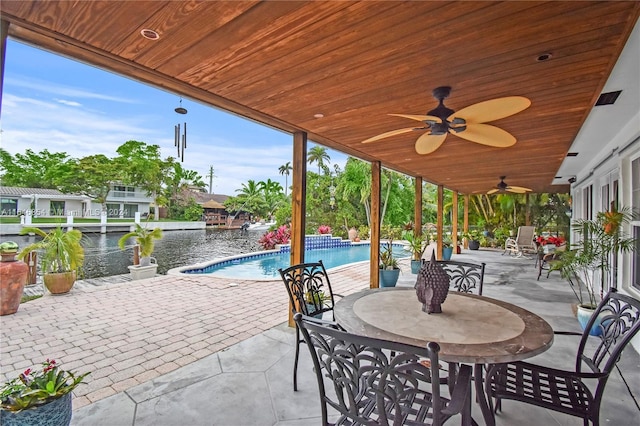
[282,235]
[38,387]
[324,229]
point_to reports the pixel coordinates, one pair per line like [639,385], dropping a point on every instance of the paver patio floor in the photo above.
[183,350]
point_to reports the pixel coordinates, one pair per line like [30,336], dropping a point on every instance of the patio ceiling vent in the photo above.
[608,98]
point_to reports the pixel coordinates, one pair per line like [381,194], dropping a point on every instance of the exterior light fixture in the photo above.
[149,34]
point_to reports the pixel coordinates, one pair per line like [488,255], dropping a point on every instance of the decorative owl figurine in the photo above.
[432,286]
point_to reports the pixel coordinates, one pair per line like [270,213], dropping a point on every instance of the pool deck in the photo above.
[199,350]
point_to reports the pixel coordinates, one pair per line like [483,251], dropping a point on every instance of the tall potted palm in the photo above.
[62,256]
[417,244]
[389,269]
[588,263]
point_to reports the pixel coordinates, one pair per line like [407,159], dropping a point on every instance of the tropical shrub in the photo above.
[269,240]
[324,229]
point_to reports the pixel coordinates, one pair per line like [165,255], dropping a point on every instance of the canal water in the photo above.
[103,257]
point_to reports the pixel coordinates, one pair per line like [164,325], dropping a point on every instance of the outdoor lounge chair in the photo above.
[577,393]
[523,243]
[380,382]
[310,293]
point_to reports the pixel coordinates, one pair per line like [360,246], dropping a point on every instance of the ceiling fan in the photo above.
[466,123]
[502,187]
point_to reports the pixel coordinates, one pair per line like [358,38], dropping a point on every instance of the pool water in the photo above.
[264,266]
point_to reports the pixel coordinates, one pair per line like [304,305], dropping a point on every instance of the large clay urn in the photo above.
[13,277]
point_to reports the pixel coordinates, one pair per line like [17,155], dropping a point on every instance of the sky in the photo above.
[54,103]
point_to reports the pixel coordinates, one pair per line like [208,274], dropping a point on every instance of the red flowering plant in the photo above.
[556,241]
[32,388]
[324,229]
[282,235]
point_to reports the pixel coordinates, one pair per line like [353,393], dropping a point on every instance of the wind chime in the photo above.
[181,135]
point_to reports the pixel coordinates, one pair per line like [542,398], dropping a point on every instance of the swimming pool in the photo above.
[265,265]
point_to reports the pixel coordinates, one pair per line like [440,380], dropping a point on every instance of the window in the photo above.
[604,194]
[130,210]
[587,203]
[635,184]
[8,206]
[113,210]
[56,208]
[635,203]
[636,258]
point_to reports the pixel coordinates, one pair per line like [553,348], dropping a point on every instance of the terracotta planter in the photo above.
[13,277]
[59,282]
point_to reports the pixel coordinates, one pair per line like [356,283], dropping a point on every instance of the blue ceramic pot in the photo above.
[584,315]
[447,252]
[55,413]
[389,277]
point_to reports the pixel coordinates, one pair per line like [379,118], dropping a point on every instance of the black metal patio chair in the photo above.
[466,277]
[310,293]
[577,393]
[378,382]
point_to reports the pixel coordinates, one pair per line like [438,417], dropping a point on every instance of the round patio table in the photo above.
[471,329]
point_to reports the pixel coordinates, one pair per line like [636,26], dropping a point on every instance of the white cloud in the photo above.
[70,103]
[83,111]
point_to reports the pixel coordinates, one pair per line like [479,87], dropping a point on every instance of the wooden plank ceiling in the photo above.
[281,63]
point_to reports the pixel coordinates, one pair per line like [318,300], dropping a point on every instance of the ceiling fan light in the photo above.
[439,128]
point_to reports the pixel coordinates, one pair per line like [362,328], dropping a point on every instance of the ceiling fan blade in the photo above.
[427,143]
[493,109]
[518,189]
[419,117]
[487,134]
[492,191]
[389,134]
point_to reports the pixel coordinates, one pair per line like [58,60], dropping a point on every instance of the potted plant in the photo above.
[473,236]
[587,264]
[447,247]
[417,245]
[389,270]
[314,299]
[145,239]
[41,397]
[61,258]
[13,277]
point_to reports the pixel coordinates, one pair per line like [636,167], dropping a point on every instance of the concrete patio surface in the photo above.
[199,350]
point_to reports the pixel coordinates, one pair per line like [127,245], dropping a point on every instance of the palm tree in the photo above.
[318,154]
[272,195]
[251,196]
[285,170]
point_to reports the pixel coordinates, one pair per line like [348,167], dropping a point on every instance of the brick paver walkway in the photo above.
[129,333]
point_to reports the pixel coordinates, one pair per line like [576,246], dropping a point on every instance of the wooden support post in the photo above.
[374,266]
[465,225]
[439,221]
[4,33]
[417,209]
[298,203]
[32,262]
[454,221]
